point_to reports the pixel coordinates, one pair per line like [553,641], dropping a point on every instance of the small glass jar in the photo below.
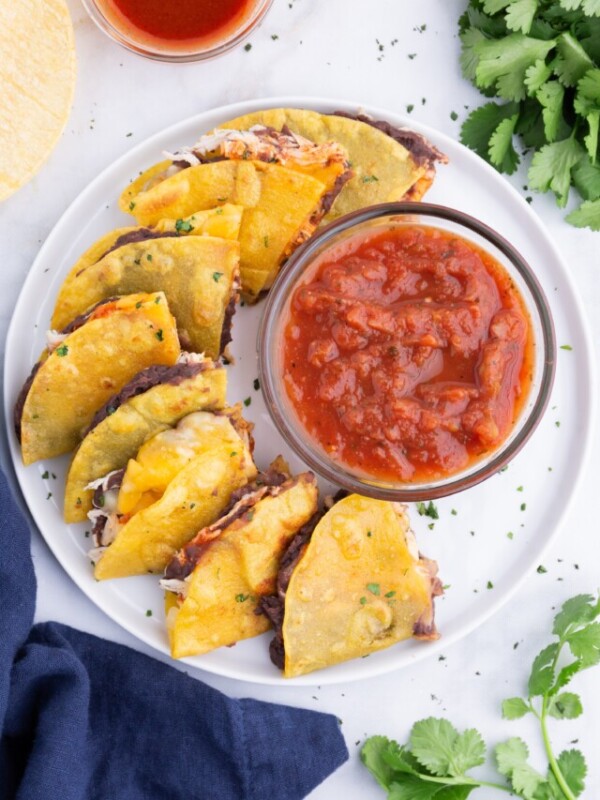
[124,32]
[374,219]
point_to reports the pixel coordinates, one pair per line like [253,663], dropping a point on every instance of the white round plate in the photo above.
[486,541]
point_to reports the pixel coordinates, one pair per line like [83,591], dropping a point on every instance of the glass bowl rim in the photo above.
[324,466]
[99,18]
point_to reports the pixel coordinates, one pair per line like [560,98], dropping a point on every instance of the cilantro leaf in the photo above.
[542,672]
[469,751]
[502,154]
[520,14]
[575,611]
[586,177]
[551,96]
[503,63]
[586,216]
[564,676]
[591,139]
[551,168]
[572,61]
[511,757]
[468,57]
[479,127]
[585,644]
[536,75]
[565,706]
[441,749]
[373,754]
[493,6]
[574,769]
[514,708]
[511,754]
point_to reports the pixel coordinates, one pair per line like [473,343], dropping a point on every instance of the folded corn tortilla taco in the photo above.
[388,162]
[285,183]
[199,274]
[349,585]
[154,400]
[214,584]
[180,481]
[85,364]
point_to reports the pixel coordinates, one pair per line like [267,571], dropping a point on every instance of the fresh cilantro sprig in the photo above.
[435,762]
[542,59]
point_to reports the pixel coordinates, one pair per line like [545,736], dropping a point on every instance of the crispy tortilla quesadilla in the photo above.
[85,364]
[216,581]
[180,481]
[198,273]
[388,162]
[284,182]
[154,400]
[350,584]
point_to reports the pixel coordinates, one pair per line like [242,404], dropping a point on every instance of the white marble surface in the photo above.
[329,49]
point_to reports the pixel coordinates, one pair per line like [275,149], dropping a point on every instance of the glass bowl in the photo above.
[124,33]
[374,219]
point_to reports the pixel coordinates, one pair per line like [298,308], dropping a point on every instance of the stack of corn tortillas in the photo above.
[37,76]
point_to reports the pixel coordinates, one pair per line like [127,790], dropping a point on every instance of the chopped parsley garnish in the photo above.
[256,384]
[274,36]
[409,108]
[183,225]
[233,453]
[159,335]
[45,475]
[454,512]
[566,347]
[453,116]
[62,350]
[217,276]
[149,613]
[149,258]
[373,588]
[131,205]
[248,47]
[490,585]
[362,601]
[369,178]
[138,304]
[137,261]
[266,241]
[429,510]
[247,401]
[241,598]
[390,594]
[523,506]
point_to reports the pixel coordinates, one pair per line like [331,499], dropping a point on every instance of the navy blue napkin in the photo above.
[82,718]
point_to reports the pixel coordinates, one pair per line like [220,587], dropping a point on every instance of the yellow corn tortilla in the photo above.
[37,76]
[279,207]
[383,169]
[198,274]
[235,569]
[111,443]
[89,366]
[193,499]
[359,587]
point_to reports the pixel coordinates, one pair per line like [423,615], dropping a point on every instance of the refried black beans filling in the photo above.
[144,380]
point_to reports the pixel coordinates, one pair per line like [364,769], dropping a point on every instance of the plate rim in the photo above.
[321,105]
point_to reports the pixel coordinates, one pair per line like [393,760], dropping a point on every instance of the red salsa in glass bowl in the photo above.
[406,352]
[188,30]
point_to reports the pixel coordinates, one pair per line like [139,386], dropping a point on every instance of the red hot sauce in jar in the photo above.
[184,25]
[407,354]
